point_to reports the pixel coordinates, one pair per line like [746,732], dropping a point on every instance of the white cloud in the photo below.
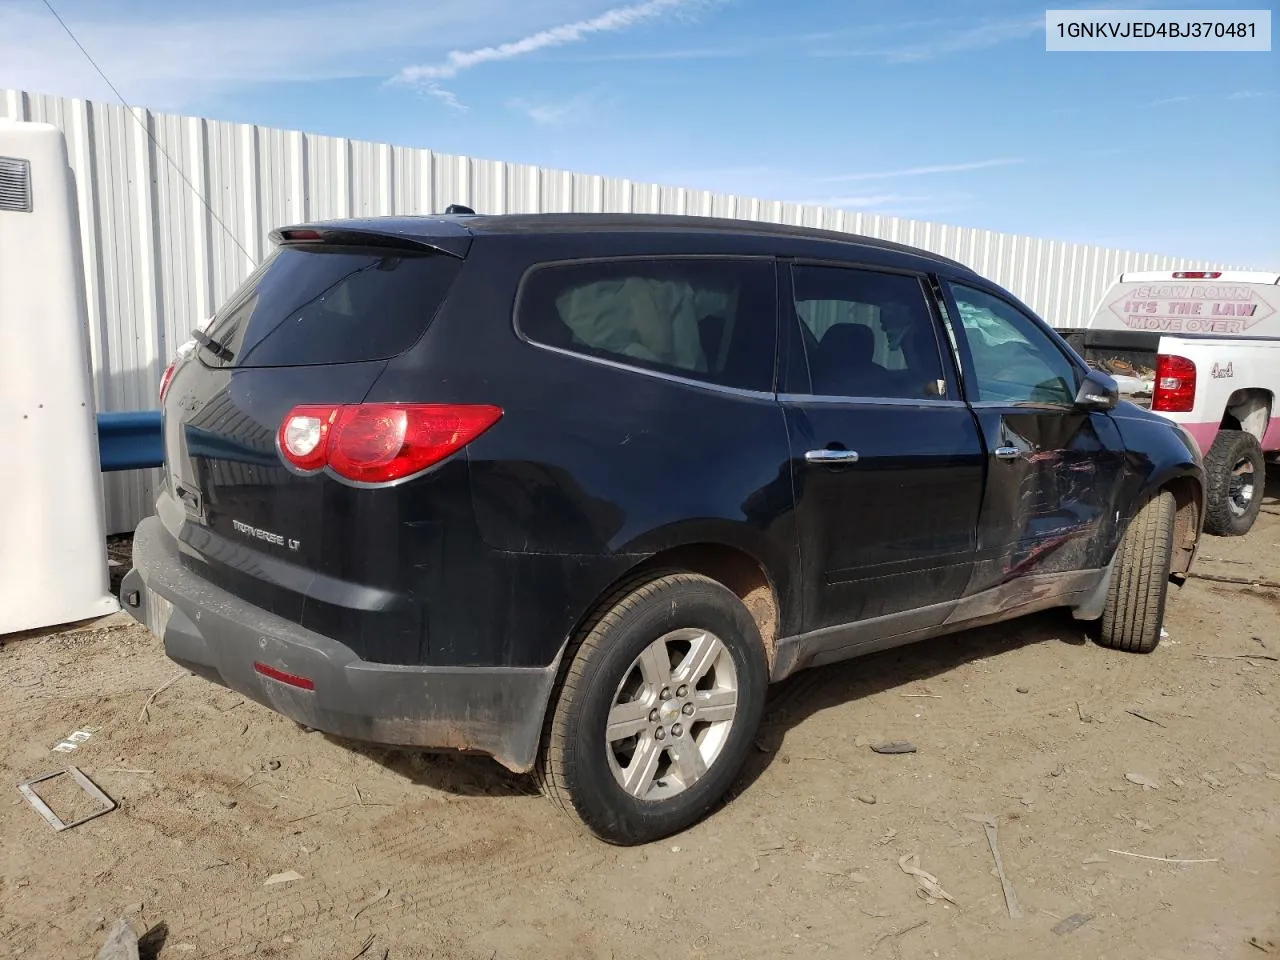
[550,113]
[170,61]
[447,97]
[898,204]
[943,40]
[974,38]
[689,53]
[619,18]
[869,201]
[771,44]
[947,35]
[1167,101]
[700,174]
[926,171]
[1249,95]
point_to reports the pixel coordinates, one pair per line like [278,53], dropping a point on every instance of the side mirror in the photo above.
[1098,391]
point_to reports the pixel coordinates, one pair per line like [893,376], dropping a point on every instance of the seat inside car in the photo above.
[844,363]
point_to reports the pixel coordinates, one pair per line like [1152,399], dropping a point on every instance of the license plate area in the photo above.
[192,501]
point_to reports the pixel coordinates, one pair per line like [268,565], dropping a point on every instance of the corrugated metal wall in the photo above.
[157,261]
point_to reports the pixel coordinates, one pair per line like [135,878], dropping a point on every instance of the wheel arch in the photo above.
[1188,518]
[760,586]
[734,568]
[1249,410]
[1186,482]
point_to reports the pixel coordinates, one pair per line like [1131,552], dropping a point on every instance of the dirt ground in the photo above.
[451,857]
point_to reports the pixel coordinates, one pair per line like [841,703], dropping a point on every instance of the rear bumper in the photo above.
[492,710]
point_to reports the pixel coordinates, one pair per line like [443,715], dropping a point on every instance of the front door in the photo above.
[1054,470]
[887,461]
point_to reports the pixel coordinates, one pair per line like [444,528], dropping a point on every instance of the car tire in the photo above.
[657,709]
[1134,612]
[1236,471]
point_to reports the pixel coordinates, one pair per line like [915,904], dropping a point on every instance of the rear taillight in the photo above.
[165,378]
[1197,275]
[304,436]
[1175,390]
[379,442]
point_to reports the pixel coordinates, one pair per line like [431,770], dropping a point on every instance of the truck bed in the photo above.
[1127,355]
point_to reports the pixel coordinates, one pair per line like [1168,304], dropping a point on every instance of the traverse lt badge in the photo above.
[267,535]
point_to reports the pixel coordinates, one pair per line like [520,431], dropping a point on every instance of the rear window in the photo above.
[329,304]
[703,318]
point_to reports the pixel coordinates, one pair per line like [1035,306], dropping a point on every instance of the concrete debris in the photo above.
[1146,783]
[1072,923]
[121,943]
[894,746]
[928,887]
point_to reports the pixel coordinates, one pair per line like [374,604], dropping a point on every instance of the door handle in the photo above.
[832,456]
[1007,453]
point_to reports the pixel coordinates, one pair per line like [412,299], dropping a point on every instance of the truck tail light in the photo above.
[1175,390]
[379,442]
[1197,275]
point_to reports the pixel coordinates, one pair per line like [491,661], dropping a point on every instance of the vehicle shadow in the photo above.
[810,692]
[790,704]
[461,774]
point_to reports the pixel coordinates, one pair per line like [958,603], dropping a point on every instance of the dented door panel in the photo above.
[1055,471]
[1051,507]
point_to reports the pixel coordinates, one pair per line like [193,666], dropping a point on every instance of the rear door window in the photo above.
[329,304]
[703,318]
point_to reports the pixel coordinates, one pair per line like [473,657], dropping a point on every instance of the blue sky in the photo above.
[946,111]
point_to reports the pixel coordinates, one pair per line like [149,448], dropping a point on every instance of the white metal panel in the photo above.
[157,261]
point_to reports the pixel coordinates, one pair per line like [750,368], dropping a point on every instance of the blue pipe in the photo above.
[130,441]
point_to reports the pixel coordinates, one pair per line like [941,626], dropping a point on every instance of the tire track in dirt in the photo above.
[423,874]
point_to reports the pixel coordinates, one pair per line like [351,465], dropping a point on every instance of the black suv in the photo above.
[573,490]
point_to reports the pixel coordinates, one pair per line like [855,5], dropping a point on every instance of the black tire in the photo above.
[577,762]
[1139,585]
[1236,472]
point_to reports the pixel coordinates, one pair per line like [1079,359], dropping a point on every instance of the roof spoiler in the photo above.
[449,238]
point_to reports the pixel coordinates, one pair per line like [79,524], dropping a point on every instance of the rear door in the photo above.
[1054,470]
[887,463]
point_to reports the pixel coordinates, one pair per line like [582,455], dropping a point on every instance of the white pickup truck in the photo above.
[1203,349]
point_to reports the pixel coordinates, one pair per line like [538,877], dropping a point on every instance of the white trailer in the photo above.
[1203,349]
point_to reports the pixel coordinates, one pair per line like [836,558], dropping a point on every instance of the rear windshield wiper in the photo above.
[213,346]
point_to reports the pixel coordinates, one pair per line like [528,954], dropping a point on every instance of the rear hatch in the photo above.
[315,325]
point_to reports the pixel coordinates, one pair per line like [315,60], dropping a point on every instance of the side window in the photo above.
[709,319]
[867,334]
[1013,360]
